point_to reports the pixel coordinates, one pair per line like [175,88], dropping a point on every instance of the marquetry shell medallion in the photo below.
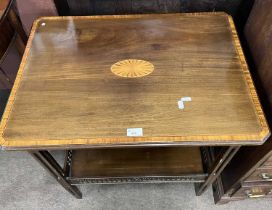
[132,68]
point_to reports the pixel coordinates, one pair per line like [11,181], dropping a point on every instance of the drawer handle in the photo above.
[251,195]
[257,195]
[266,176]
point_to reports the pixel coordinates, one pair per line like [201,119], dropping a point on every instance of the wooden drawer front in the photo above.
[261,174]
[253,192]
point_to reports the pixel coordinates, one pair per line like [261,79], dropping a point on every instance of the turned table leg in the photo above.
[51,165]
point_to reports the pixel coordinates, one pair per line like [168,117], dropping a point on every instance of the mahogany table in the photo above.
[133,98]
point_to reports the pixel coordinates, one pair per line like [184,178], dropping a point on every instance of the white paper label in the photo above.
[134,132]
[180,105]
[186,99]
[182,100]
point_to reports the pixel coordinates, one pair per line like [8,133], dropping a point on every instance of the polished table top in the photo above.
[133,80]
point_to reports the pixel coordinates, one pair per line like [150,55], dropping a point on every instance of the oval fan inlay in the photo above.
[132,68]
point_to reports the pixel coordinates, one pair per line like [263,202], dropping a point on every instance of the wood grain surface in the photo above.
[65,94]
[120,162]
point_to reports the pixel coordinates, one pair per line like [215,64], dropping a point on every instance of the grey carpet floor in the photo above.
[24,184]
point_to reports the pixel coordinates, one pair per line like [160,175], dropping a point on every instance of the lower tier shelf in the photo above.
[129,165]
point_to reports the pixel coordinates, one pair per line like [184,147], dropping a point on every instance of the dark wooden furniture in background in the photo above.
[11,32]
[238,9]
[111,7]
[249,174]
[69,97]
